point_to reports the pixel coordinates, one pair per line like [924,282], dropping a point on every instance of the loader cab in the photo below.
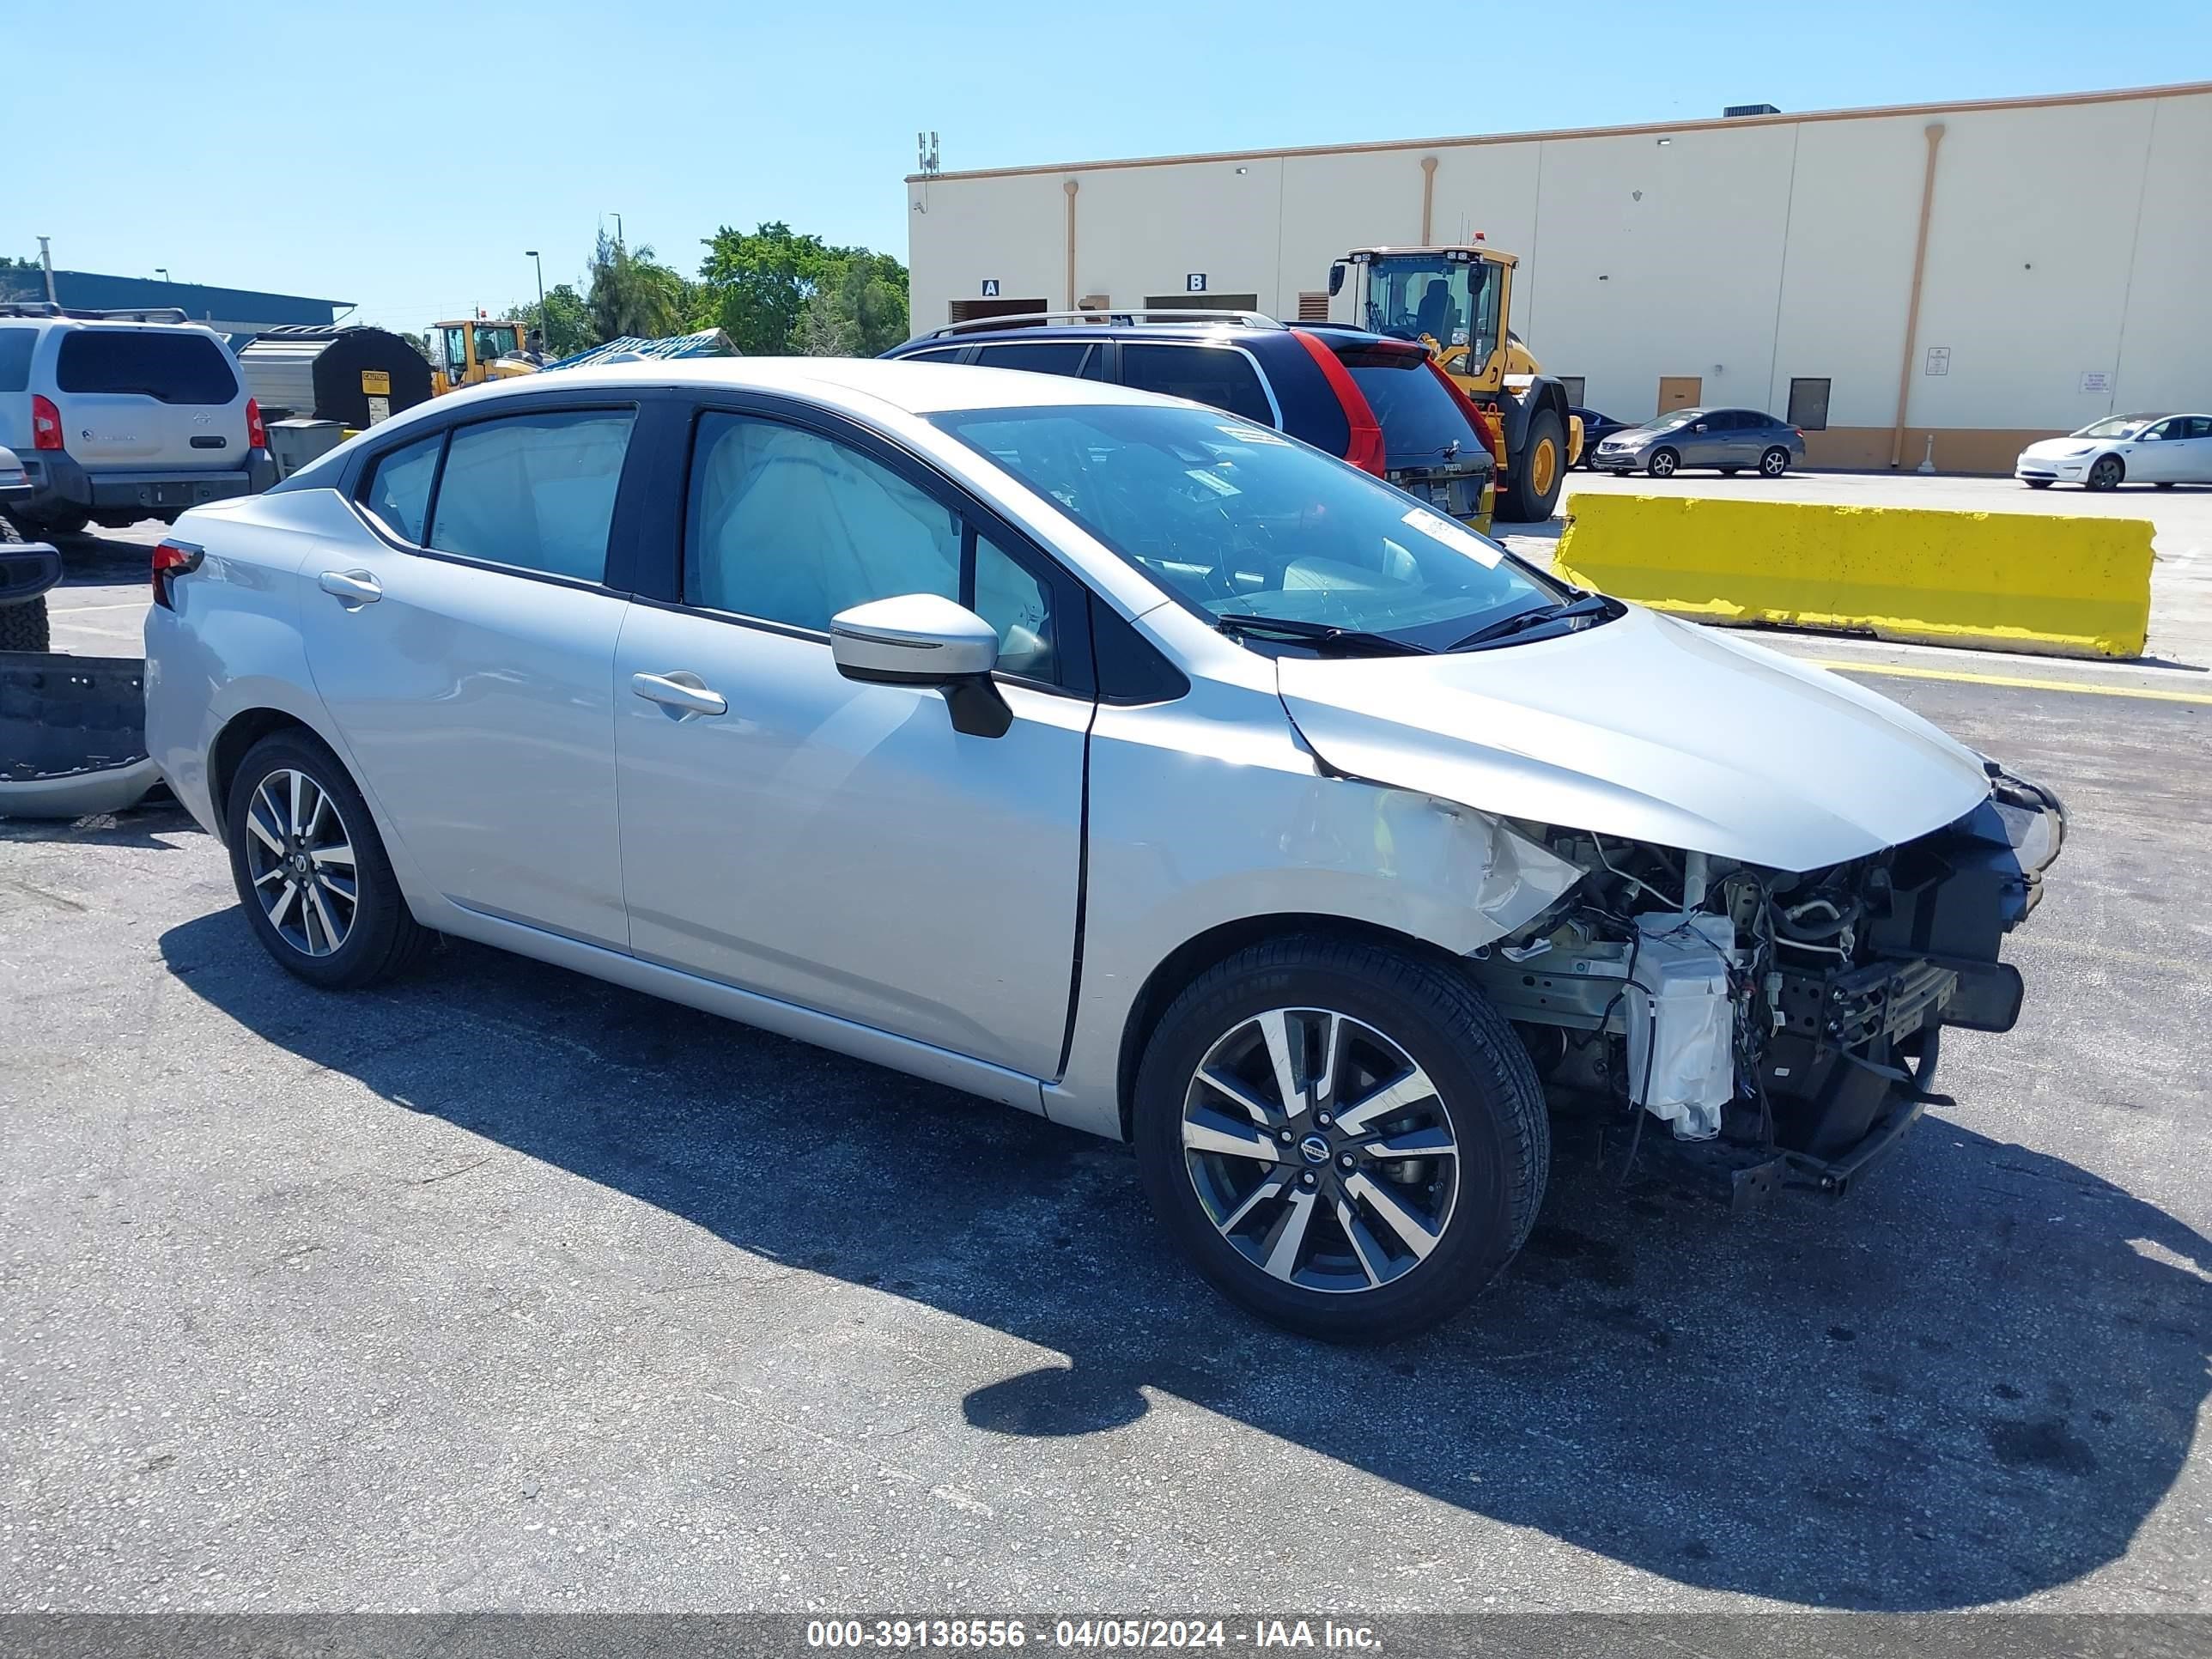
[1453,299]
[465,353]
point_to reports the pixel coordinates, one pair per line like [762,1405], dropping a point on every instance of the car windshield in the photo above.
[2117,426]
[1237,520]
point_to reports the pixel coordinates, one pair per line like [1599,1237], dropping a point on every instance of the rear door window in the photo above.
[399,491]
[172,366]
[1071,357]
[1220,375]
[535,491]
[15,345]
[1422,425]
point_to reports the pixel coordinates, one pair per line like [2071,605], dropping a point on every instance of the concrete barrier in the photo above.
[2001,581]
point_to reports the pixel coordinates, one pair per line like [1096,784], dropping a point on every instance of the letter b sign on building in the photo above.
[1194,282]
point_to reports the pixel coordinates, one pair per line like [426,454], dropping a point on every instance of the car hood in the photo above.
[2056,449]
[1646,728]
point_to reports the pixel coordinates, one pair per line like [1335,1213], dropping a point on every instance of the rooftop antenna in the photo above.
[925,145]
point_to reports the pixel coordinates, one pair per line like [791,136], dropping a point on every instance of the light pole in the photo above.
[162,271]
[544,323]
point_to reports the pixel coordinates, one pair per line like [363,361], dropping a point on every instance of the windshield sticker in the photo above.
[1213,481]
[1454,536]
[1253,434]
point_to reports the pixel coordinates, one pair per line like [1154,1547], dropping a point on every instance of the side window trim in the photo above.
[974,517]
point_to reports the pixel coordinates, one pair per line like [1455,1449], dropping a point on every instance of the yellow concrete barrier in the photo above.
[2002,581]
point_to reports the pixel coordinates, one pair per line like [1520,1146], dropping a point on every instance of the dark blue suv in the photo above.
[1380,404]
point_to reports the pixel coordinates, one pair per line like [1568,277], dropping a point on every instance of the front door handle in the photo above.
[687,694]
[351,588]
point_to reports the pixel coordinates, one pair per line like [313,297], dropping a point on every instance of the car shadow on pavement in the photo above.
[1974,1382]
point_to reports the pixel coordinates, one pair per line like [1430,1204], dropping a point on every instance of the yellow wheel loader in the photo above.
[1459,302]
[471,353]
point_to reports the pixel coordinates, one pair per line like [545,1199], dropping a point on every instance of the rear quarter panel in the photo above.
[233,643]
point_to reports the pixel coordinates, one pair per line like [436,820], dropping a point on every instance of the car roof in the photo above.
[844,382]
[1207,331]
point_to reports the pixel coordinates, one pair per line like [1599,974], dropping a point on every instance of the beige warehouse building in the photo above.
[1980,274]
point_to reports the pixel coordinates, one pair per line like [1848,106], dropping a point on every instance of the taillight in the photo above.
[173,559]
[256,432]
[1365,450]
[45,423]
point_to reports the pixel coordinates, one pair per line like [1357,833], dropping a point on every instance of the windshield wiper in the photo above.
[1321,636]
[1590,605]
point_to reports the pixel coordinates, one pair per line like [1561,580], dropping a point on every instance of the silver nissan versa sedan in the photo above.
[1105,755]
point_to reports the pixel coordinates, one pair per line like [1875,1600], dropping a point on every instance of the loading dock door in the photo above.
[967,310]
[1201,302]
[1681,392]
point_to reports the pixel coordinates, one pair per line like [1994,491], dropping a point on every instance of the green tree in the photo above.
[633,293]
[566,321]
[21,279]
[776,290]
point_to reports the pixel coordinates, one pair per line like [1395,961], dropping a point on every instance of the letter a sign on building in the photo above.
[990,288]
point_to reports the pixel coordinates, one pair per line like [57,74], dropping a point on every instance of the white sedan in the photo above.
[2160,449]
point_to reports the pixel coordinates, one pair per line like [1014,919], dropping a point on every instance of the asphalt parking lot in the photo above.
[502,1288]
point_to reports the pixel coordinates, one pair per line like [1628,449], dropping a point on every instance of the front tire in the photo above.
[2106,474]
[312,872]
[1539,471]
[2037,483]
[1774,463]
[1662,464]
[1344,1138]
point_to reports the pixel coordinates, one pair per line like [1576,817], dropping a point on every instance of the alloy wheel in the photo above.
[1662,465]
[1775,464]
[300,859]
[1320,1149]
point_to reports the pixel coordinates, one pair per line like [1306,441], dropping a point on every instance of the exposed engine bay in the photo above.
[1770,1023]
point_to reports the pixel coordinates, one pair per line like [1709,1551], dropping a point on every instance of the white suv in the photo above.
[118,421]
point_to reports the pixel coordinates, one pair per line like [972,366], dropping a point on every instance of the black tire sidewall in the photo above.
[1486,1228]
[1673,464]
[381,915]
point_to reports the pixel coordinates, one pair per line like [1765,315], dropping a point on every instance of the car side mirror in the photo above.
[926,640]
[1336,279]
[2150,437]
[1700,427]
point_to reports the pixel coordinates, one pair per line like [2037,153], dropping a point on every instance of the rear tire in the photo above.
[60,521]
[333,932]
[2105,474]
[1774,463]
[1662,464]
[1539,470]
[1315,1230]
[25,627]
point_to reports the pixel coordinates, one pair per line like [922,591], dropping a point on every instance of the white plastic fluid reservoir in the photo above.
[1682,1025]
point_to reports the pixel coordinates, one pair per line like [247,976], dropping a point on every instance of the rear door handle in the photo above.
[685,693]
[351,588]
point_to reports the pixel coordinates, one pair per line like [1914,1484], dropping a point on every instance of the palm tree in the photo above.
[632,293]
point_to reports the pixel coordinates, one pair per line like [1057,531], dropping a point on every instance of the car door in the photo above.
[2159,452]
[836,845]
[2191,454]
[464,642]
[1702,442]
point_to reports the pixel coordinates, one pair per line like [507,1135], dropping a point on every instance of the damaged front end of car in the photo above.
[1781,1027]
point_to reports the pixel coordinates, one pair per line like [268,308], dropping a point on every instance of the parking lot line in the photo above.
[2148,694]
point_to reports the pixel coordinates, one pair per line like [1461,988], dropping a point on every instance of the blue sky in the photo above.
[404,158]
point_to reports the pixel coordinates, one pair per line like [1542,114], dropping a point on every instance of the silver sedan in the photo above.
[1101,754]
[1731,441]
